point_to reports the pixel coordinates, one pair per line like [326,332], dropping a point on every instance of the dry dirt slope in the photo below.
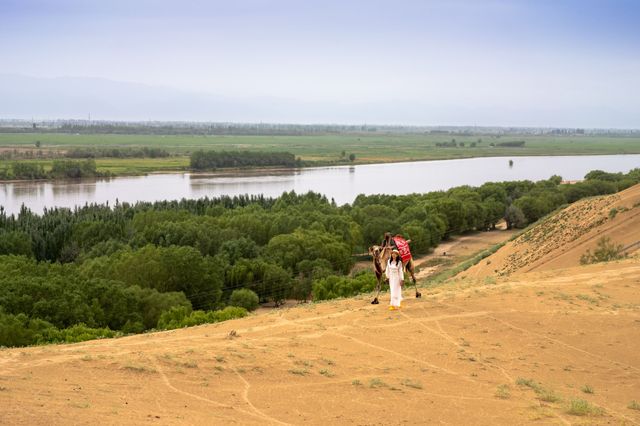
[452,357]
[561,239]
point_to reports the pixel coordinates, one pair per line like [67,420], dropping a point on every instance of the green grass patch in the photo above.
[463,266]
[323,149]
[436,261]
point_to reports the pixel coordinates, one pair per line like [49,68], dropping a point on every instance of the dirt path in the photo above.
[455,356]
[458,249]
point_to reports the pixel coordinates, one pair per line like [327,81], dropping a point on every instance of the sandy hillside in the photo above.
[454,357]
[560,240]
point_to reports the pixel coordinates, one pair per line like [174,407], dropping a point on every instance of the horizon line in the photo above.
[92,121]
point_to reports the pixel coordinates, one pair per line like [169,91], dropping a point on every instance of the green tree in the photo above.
[244,298]
[514,217]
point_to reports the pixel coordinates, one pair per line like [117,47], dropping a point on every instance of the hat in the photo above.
[395,251]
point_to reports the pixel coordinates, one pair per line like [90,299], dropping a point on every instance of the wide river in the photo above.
[342,183]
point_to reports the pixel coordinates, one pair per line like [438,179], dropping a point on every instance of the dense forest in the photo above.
[101,271]
[60,169]
[69,167]
[211,160]
[93,152]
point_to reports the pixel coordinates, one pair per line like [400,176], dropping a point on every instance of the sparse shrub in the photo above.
[503,392]
[244,298]
[546,395]
[605,251]
[328,361]
[489,280]
[587,389]
[587,298]
[327,373]
[634,405]
[411,384]
[377,383]
[530,383]
[512,144]
[580,407]
[139,368]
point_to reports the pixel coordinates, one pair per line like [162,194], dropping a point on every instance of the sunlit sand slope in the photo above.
[561,239]
[455,356]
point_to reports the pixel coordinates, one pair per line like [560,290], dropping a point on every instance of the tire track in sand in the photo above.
[245,396]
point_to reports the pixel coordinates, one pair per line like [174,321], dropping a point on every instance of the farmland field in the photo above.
[313,149]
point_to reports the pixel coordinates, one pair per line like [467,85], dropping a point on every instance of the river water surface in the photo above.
[341,183]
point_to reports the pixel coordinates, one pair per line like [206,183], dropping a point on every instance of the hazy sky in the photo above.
[495,62]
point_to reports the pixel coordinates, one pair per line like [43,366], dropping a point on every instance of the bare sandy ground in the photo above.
[452,357]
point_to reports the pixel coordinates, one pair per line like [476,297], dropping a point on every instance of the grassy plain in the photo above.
[322,149]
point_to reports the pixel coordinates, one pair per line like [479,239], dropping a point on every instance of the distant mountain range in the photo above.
[74,97]
[77,97]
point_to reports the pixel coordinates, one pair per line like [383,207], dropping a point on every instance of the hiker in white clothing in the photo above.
[395,274]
